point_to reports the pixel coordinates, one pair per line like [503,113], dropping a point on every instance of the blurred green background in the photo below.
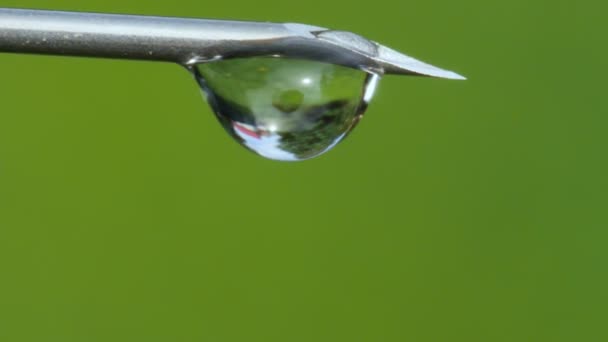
[457,211]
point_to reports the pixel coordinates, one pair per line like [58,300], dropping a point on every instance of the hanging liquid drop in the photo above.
[286,109]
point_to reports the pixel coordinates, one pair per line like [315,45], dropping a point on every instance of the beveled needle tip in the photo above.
[387,59]
[398,63]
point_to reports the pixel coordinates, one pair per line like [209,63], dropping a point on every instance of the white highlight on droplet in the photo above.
[370,89]
[273,128]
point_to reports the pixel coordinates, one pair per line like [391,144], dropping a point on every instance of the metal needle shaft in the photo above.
[184,41]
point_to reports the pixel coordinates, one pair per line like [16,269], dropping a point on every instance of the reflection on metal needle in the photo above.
[189,41]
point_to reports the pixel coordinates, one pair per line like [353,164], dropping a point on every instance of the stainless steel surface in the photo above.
[188,41]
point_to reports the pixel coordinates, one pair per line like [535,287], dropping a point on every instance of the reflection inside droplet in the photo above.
[286,109]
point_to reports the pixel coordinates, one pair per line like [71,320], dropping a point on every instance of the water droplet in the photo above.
[286,109]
